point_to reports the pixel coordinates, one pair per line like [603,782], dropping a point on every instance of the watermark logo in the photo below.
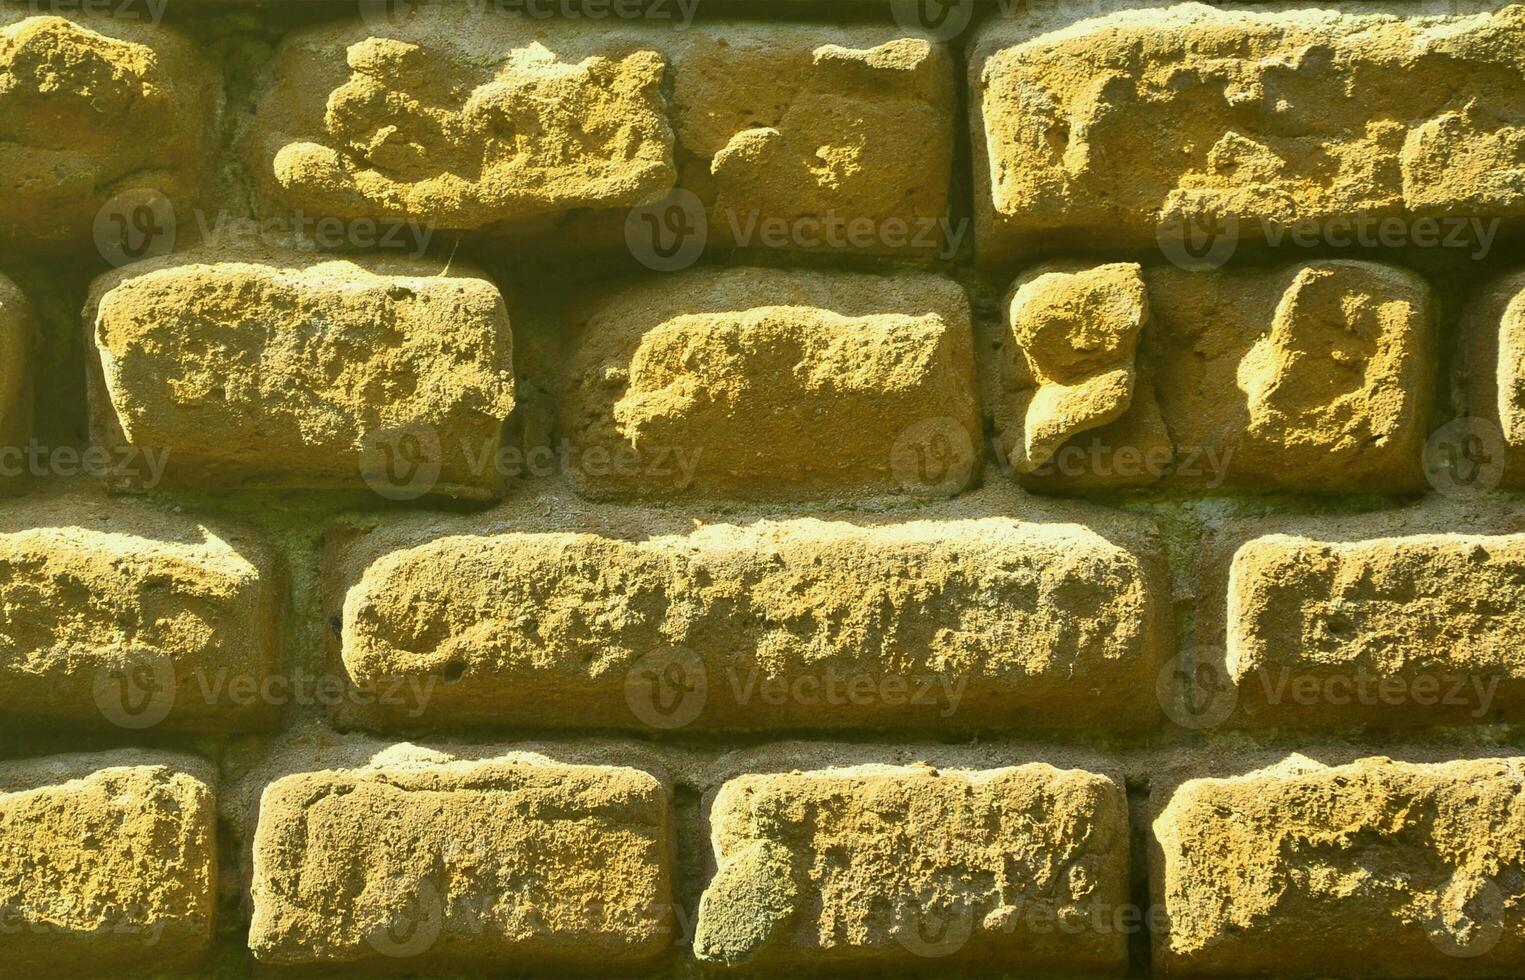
[928,235]
[1198,241]
[667,688]
[406,462]
[669,235]
[401,462]
[1203,240]
[934,932]
[1473,692]
[298,229]
[414,927]
[1465,458]
[135,225]
[1468,921]
[137,691]
[935,454]
[1194,689]
[940,20]
[835,688]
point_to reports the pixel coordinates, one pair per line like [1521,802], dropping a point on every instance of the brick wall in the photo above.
[705,487]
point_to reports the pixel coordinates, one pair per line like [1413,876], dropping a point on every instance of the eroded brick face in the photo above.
[766,488]
[1292,867]
[96,107]
[499,859]
[855,867]
[106,860]
[1142,122]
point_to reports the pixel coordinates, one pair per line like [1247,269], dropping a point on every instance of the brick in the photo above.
[463,864]
[108,864]
[459,127]
[764,383]
[119,616]
[1374,868]
[1128,128]
[816,137]
[522,124]
[1494,384]
[278,370]
[1402,618]
[1317,376]
[906,867]
[552,613]
[95,107]
[18,327]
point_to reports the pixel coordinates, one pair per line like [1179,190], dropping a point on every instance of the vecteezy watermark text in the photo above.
[407,462]
[36,459]
[669,688]
[143,223]
[141,692]
[671,234]
[1202,240]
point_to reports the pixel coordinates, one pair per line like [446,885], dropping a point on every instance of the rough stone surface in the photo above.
[463,863]
[1122,129]
[618,617]
[1316,376]
[1409,617]
[94,107]
[842,135]
[18,326]
[609,393]
[1069,358]
[889,866]
[107,861]
[462,125]
[295,371]
[118,616]
[774,384]
[1375,868]
[512,123]
[1494,386]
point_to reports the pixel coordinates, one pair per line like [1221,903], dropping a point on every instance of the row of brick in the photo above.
[820,856]
[213,371]
[1089,131]
[776,384]
[988,614]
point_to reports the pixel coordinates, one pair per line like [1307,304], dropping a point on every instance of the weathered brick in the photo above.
[903,867]
[511,123]
[464,863]
[815,136]
[765,383]
[1374,868]
[1121,129]
[1315,376]
[959,618]
[283,370]
[462,121]
[17,328]
[96,106]
[1409,617]
[120,615]
[1494,384]
[108,864]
